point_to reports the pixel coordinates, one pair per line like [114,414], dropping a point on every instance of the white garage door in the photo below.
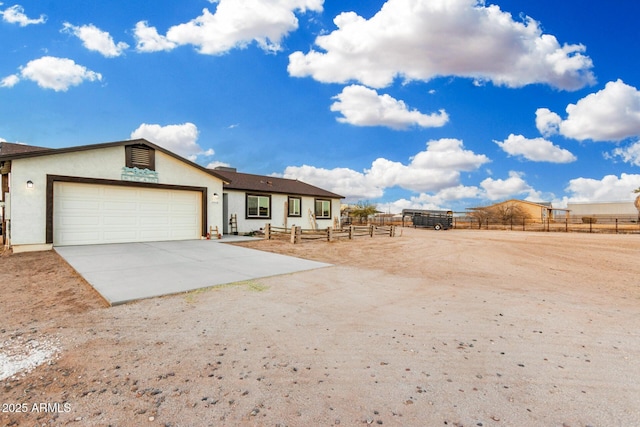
[86,214]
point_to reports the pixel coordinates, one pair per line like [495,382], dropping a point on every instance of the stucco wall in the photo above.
[236,204]
[28,205]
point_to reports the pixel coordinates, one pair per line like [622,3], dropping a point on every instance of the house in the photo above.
[255,200]
[115,192]
[519,209]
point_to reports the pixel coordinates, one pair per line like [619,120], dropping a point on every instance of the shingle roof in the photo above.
[270,184]
[8,148]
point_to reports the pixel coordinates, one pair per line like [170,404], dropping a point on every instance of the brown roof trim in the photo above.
[54,151]
[270,184]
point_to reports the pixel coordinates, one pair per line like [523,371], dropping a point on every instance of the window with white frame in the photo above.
[295,204]
[258,206]
[323,208]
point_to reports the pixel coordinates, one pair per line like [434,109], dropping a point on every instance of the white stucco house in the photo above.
[116,192]
[255,200]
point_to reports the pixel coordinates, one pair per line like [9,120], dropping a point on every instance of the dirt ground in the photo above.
[450,328]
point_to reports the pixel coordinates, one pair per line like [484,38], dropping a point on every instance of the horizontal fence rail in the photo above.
[622,224]
[297,234]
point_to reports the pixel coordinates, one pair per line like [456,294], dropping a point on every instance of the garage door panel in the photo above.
[91,213]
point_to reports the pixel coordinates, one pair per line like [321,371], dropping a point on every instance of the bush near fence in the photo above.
[297,234]
[579,224]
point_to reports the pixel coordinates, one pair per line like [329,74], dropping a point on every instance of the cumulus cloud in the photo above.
[54,73]
[148,39]
[180,139]
[439,201]
[361,106]
[96,40]
[10,81]
[629,154]
[15,15]
[609,188]
[235,23]
[421,40]
[547,122]
[611,114]
[515,185]
[434,169]
[536,150]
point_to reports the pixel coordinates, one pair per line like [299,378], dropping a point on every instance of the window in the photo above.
[258,206]
[323,208]
[140,156]
[294,206]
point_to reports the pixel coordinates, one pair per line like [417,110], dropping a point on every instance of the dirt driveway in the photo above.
[455,328]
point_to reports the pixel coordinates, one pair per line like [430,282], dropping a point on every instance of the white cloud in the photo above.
[54,73]
[235,23]
[515,185]
[421,40]
[629,154]
[361,106]
[95,39]
[10,81]
[536,150]
[434,169]
[439,201]
[15,15]
[148,39]
[547,122]
[609,188]
[180,139]
[612,114]
[348,183]
[216,163]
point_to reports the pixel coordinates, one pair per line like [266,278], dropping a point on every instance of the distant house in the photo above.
[516,208]
[255,200]
[115,192]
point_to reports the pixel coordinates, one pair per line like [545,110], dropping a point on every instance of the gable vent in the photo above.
[140,156]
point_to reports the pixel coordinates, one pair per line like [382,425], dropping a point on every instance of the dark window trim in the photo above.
[81,180]
[289,214]
[330,207]
[129,157]
[246,206]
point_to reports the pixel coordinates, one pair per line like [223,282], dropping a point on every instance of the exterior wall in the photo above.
[237,201]
[28,205]
[604,208]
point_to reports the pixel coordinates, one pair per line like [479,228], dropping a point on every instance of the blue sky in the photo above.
[404,103]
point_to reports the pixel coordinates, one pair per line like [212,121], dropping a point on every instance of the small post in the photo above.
[267,231]
[566,225]
[350,232]
[392,230]
[293,234]
[330,234]
[616,225]
[371,226]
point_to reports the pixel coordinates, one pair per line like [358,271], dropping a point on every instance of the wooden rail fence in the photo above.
[298,234]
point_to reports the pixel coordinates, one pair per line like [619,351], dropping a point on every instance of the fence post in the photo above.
[371,227]
[566,225]
[616,225]
[350,232]
[329,234]
[523,222]
[267,231]
[294,234]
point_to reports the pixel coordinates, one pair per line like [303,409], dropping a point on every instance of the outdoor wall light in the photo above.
[29,184]
[215,198]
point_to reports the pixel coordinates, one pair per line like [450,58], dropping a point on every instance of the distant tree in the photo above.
[363,210]
[482,215]
[637,202]
[509,213]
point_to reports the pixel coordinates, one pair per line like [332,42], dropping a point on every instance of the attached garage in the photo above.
[116,192]
[92,214]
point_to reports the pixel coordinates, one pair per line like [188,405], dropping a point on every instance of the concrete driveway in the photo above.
[130,271]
